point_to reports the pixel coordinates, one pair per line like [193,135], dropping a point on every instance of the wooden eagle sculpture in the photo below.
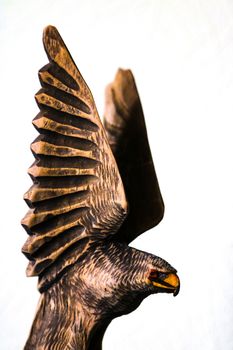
[94,191]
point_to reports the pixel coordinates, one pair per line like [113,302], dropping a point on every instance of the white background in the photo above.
[181,53]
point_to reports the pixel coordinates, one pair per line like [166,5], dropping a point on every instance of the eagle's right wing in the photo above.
[127,136]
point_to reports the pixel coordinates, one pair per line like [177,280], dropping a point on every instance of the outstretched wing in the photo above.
[126,130]
[77,191]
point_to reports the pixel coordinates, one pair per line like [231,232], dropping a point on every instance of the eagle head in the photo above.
[121,277]
[161,277]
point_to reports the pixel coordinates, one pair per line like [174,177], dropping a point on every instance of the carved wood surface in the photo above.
[80,222]
[77,189]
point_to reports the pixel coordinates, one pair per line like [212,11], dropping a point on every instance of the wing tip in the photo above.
[50,31]
[52,41]
[124,74]
[122,91]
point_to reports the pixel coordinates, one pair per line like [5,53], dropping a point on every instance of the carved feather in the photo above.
[77,193]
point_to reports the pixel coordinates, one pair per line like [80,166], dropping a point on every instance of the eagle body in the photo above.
[94,191]
[75,311]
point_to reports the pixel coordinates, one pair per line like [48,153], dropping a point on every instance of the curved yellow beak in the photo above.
[173,281]
[167,282]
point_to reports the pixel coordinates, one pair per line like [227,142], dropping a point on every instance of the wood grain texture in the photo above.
[77,222]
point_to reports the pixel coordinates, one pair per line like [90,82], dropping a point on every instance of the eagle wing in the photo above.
[77,192]
[127,136]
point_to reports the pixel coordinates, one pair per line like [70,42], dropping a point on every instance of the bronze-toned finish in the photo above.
[80,223]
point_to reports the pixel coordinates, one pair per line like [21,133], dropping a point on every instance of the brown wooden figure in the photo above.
[94,191]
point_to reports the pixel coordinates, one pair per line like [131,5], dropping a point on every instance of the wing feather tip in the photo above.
[52,41]
[50,31]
